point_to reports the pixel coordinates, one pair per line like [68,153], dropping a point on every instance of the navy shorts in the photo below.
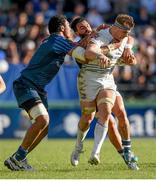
[28,95]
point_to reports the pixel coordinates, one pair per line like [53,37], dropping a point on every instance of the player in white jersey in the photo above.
[82,28]
[104,86]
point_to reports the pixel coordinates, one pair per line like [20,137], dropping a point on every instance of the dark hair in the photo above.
[75,22]
[55,23]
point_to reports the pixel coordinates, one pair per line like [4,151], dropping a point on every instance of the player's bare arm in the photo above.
[93,52]
[128,56]
[127,51]
[2,85]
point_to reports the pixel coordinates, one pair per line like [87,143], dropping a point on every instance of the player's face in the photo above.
[83,28]
[67,30]
[120,34]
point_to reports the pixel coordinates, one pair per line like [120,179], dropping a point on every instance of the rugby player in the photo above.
[82,28]
[29,87]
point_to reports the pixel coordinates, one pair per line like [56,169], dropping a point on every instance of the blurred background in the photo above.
[23,26]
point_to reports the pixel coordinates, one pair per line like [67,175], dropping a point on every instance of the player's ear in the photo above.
[62,28]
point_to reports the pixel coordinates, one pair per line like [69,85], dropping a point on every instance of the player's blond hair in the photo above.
[125,21]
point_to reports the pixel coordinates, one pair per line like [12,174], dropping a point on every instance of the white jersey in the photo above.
[92,78]
[104,38]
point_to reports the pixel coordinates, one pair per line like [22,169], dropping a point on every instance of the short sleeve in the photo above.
[97,40]
[64,46]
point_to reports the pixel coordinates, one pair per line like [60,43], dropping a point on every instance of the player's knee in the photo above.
[104,116]
[42,121]
[88,117]
[39,113]
[45,120]
[105,105]
[108,109]
[87,111]
[83,126]
[85,121]
[105,111]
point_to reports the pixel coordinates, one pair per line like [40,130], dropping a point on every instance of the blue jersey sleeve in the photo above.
[64,46]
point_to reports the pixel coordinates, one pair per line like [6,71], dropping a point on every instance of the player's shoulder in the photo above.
[103,37]
[65,41]
[103,32]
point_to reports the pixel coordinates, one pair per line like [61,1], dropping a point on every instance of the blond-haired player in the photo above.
[82,28]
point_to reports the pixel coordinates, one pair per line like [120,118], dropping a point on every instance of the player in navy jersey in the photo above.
[29,88]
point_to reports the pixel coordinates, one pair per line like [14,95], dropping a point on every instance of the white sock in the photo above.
[80,137]
[100,133]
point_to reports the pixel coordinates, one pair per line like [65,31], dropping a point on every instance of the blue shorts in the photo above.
[25,92]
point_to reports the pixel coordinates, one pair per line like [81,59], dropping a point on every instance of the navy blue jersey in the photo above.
[47,60]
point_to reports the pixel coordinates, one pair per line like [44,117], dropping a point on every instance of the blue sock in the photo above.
[21,154]
[127,145]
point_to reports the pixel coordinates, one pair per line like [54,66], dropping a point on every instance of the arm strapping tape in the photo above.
[128,46]
[78,53]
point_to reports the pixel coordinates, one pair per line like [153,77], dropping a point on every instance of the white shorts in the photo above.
[90,83]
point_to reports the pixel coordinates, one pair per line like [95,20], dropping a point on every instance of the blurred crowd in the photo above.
[23,27]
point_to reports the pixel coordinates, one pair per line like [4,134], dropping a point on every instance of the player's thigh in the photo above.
[30,100]
[88,85]
[44,99]
[24,93]
[119,104]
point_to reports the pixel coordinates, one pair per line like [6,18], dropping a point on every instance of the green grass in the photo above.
[52,160]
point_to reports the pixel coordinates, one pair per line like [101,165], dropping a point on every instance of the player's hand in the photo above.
[127,53]
[131,60]
[103,60]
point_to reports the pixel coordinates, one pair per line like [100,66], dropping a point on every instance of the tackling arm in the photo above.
[78,53]
[92,52]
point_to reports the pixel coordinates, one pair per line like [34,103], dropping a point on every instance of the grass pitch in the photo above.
[51,159]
